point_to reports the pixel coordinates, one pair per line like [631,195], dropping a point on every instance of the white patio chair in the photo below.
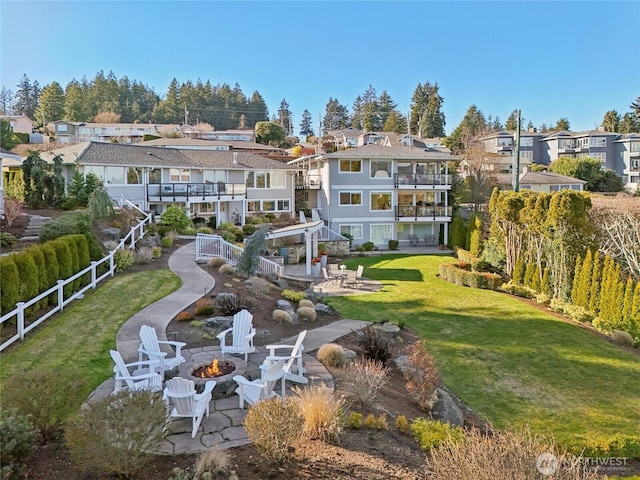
[254,391]
[144,375]
[350,278]
[293,369]
[329,279]
[180,394]
[359,272]
[242,333]
[151,347]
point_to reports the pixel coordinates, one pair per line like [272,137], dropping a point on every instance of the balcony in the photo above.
[308,182]
[439,181]
[195,191]
[423,212]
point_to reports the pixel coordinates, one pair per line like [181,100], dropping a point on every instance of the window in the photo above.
[350,198]
[114,175]
[253,206]
[526,141]
[599,156]
[62,127]
[283,205]
[155,176]
[268,206]
[353,230]
[214,176]
[634,147]
[381,233]
[380,169]
[350,165]
[526,155]
[266,179]
[134,176]
[179,175]
[597,142]
[566,144]
[380,201]
[97,171]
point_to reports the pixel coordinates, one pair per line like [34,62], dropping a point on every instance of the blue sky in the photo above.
[550,59]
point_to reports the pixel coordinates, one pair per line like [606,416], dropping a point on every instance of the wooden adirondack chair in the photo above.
[242,333]
[150,347]
[293,369]
[257,390]
[184,402]
[144,375]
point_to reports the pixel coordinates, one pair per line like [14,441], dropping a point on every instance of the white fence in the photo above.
[17,314]
[212,246]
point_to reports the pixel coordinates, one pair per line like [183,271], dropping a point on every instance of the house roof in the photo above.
[69,153]
[548,178]
[381,151]
[121,154]
[9,117]
[182,141]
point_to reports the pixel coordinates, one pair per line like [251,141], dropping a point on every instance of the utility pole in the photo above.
[516,167]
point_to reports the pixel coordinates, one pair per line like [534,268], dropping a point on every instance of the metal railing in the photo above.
[421,179]
[196,190]
[212,246]
[18,313]
[308,181]
[422,211]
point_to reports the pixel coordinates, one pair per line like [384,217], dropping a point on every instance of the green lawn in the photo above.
[82,335]
[511,362]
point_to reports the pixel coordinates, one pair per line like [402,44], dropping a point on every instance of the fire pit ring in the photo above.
[225,386]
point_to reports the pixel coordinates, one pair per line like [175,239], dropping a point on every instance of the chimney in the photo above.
[601,129]
[235,158]
[533,130]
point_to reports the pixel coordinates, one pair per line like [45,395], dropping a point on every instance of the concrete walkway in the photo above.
[223,428]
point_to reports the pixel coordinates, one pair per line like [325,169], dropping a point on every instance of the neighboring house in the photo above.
[19,123]
[628,159]
[227,185]
[200,144]
[596,144]
[547,182]
[239,135]
[377,193]
[5,156]
[345,138]
[75,132]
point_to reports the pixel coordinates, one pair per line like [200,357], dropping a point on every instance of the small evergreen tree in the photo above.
[9,284]
[576,280]
[176,217]
[457,232]
[594,288]
[518,272]
[546,286]
[529,272]
[582,282]
[249,261]
[536,282]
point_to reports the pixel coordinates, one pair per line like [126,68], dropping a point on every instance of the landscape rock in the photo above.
[442,407]
[309,294]
[281,283]
[349,354]
[112,232]
[284,305]
[387,327]
[321,307]
[217,323]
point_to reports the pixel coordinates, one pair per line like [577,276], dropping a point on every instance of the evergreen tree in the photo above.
[611,121]
[595,284]
[546,287]
[305,125]
[24,102]
[6,101]
[35,172]
[284,117]
[51,106]
[536,281]
[582,282]
[386,106]
[258,111]
[427,119]
[607,289]
[169,110]
[75,104]
[562,124]
[627,302]
[512,121]
[473,124]
[371,110]
[457,232]
[576,278]
[395,122]
[7,139]
[336,116]
[529,272]
[358,113]
[249,261]
[518,272]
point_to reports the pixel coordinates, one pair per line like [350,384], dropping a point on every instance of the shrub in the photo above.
[189,231]
[518,290]
[370,421]
[156,252]
[500,456]
[431,434]
[577,313]
[144,255]
[116,434]
[176,217]
[381,423]
[366,247]
[124,258]
[306,314]
[282,317]
[273,425]
[6,239]
[230,303]
[28,274]
[622,338]
[421,374]
[365,378]
[321,412]
[401,423]
[205,230]
[452,273]
[375,344]
[17,436]
[184,316]
[216,262]
[618,445]
[292,295]
[172,234]
[354,420]
[46,396]
[332,355]
[213,462]
[12,210]
[70,223]
[543,298]
[556,305]
[306,303]
[10,284]
[248,229]
[204,306]
[227,269]
[393,244]
[166,242]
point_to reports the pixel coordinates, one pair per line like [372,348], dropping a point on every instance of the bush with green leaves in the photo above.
[431,434]
[9,284]
[70,223]
[7,240]
[366,247]
[306,314]
[166,241]
[452,272]
[393,244]
[156,252]
[116,434]
[354,420]
[231,303]
[375,343]
[176,217]
[274,425]
[292,295]
[124,258]
[17,442]
[518,290]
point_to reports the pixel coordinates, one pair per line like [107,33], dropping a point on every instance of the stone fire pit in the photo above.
[225,385]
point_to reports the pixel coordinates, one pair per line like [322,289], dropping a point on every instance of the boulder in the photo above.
[387,327]
[284,305]
[281,283]
[309,294]
[217,324]
[111,232]
[321,307]
[443,408]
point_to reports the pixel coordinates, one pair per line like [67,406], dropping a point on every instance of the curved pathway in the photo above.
[223,428]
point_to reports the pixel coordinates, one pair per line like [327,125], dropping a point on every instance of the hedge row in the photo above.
[71,223]
[26,274]
[454,273]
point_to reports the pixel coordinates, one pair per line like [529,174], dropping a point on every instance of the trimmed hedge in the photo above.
[71,223]
[453,273]
[84,259]
[51,264]
[65,267]
[38,258]
[10,284]
[28,273]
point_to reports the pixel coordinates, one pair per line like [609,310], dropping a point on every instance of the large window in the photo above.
[380,201]
[266,179]
[634,147]
[350,198]
[134,176]
[354,230]
[155,176]
[380,169]
[381,233]
[350,165]
[598,142]
[179,175]
[526,141]
[599,156]
[114,175]
[268,206]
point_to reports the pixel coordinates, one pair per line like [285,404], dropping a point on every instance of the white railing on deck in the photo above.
[212,246]
[17,314]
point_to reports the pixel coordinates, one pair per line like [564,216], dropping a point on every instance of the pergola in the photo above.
[309,230]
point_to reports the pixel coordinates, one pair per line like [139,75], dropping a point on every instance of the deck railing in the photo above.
[418,211]
[421,180]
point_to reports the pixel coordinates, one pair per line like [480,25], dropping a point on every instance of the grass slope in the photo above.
[511,362]
[81,336]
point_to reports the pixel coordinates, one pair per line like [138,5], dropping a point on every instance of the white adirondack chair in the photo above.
[257,390]
[144,375]
[151,347]
[242,333]
[184,402]
[359,272]
[293,369]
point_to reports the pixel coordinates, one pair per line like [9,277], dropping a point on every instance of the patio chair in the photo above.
[351,279]
[414,240]
[150,347]
[293,369]
[329,279]
[143,375]
[242,333]
[359,272]
[255,391]
[180,394]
